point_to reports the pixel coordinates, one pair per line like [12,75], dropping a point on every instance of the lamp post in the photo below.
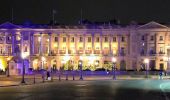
[146,61]
[81,70]
[23,67]
[42,67]
[8,67]
[114,68]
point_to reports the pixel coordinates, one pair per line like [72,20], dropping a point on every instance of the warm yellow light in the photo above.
[55,45]
[165,58]
[8,58]
[43,58]
[39,39]
[3,63]
[66,58]
[24,55]
[146,61]
[114,59]
[48,40]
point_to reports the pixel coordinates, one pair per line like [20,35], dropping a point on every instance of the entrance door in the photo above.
[161,66]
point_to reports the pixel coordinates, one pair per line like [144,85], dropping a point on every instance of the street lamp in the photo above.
[81,70]
[8,59]
[23,67]
[146,61]
[42,67]
[114,67]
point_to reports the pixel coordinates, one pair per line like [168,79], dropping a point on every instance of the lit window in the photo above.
[89,39]
[161,50]
[25,49]
[97,39]
[56,39]
[18,38]
[114,39]
[97,48]
[123,39]
[161,38]
[105,39]
[72,39]
[81,39]
[64,39]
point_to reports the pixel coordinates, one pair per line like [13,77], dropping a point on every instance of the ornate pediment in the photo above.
[9,25]
[152,25]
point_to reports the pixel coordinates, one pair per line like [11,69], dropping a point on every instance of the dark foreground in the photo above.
[90,90]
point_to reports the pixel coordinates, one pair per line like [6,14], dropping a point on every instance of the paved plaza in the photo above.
[90,90]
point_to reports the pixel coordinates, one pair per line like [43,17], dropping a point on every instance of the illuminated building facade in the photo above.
[95,45]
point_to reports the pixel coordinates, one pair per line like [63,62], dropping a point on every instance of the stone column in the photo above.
[119,37]
[5,51]
[49,44]
[22,42]
[93,43]
[84,42]
[101,47]
[13,43]
[41,48]
[67,43]
[32,43]
[58,42]
[76,38]
[110,45]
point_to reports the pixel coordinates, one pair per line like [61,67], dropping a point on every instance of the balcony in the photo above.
[88,51]
[71,52]
[106,52]
[96,51]
[80,51]
[62,51]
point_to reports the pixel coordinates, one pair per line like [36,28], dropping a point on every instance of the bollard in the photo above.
[66,75]
[51,76]
[73,76]
[34,78]
[59,76]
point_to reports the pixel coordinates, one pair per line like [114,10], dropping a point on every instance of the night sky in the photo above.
[69,11]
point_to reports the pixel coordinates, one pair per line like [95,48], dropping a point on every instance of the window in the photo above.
[122,51]
[18,38]
[25,49]
[89,48]
[72,39]
[64,48]
[143,38]
[64,39]
[114,39]
[1,38]
[97,39]
[152,50]
[97,48]
[89,39]
[105,39]
[152,38]
[8,38]
[123,39]
[1,50]
[56,39]
[161,38]
[161,50]
[81,48]
[106,47]
[81,39]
